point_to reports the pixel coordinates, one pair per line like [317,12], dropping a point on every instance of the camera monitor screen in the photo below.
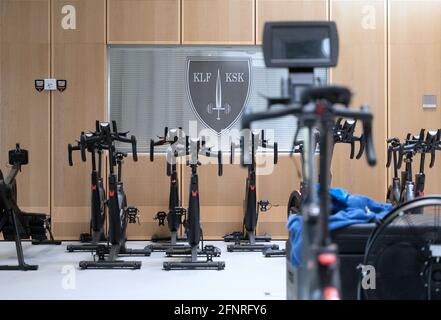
[300,44]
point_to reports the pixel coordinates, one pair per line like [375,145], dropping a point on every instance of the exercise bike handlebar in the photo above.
[70,149]
[344,133]
[264,144]
[366,118]
[202,149]
[433,140]
[415,144]
[361,150]
[393,147]
[132,141]
[408,149]
[163,141]
[87,141]
[209,153]
[233,147]
[98,139]
[297,110]
[220,171]
[90,142]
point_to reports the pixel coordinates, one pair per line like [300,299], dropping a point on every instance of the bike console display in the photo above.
[300,44]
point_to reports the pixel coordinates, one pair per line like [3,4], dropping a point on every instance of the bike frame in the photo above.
[116,203]
[194,231]
[247,241]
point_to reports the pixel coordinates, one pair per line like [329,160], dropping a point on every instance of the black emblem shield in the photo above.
[218,89]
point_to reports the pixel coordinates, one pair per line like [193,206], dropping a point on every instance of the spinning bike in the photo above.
[246,240]
[98,194]
[196,147]
[317,108]
[14,223]
[176,212]
[119,212]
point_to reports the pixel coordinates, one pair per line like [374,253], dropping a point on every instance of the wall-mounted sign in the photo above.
[218,89]
[50,85]
[61,85]
[39,85]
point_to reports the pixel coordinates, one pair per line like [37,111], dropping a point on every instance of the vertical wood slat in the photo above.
[24,112]
[79,56]
[286,10]
[362,66]
[218,22]
[144,21]
[415,69]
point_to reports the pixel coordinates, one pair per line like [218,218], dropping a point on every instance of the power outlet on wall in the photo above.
[429,101]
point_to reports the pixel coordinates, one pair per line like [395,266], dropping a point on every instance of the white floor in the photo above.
[248,275]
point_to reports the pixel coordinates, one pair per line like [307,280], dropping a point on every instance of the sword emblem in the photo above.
[219,107]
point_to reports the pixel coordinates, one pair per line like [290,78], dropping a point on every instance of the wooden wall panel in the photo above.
[362,66]
[24,112]
[144,21]
[79,56]
[285,10]
[218,22]
[415,69]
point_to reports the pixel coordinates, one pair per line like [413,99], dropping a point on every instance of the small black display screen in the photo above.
[303,43]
